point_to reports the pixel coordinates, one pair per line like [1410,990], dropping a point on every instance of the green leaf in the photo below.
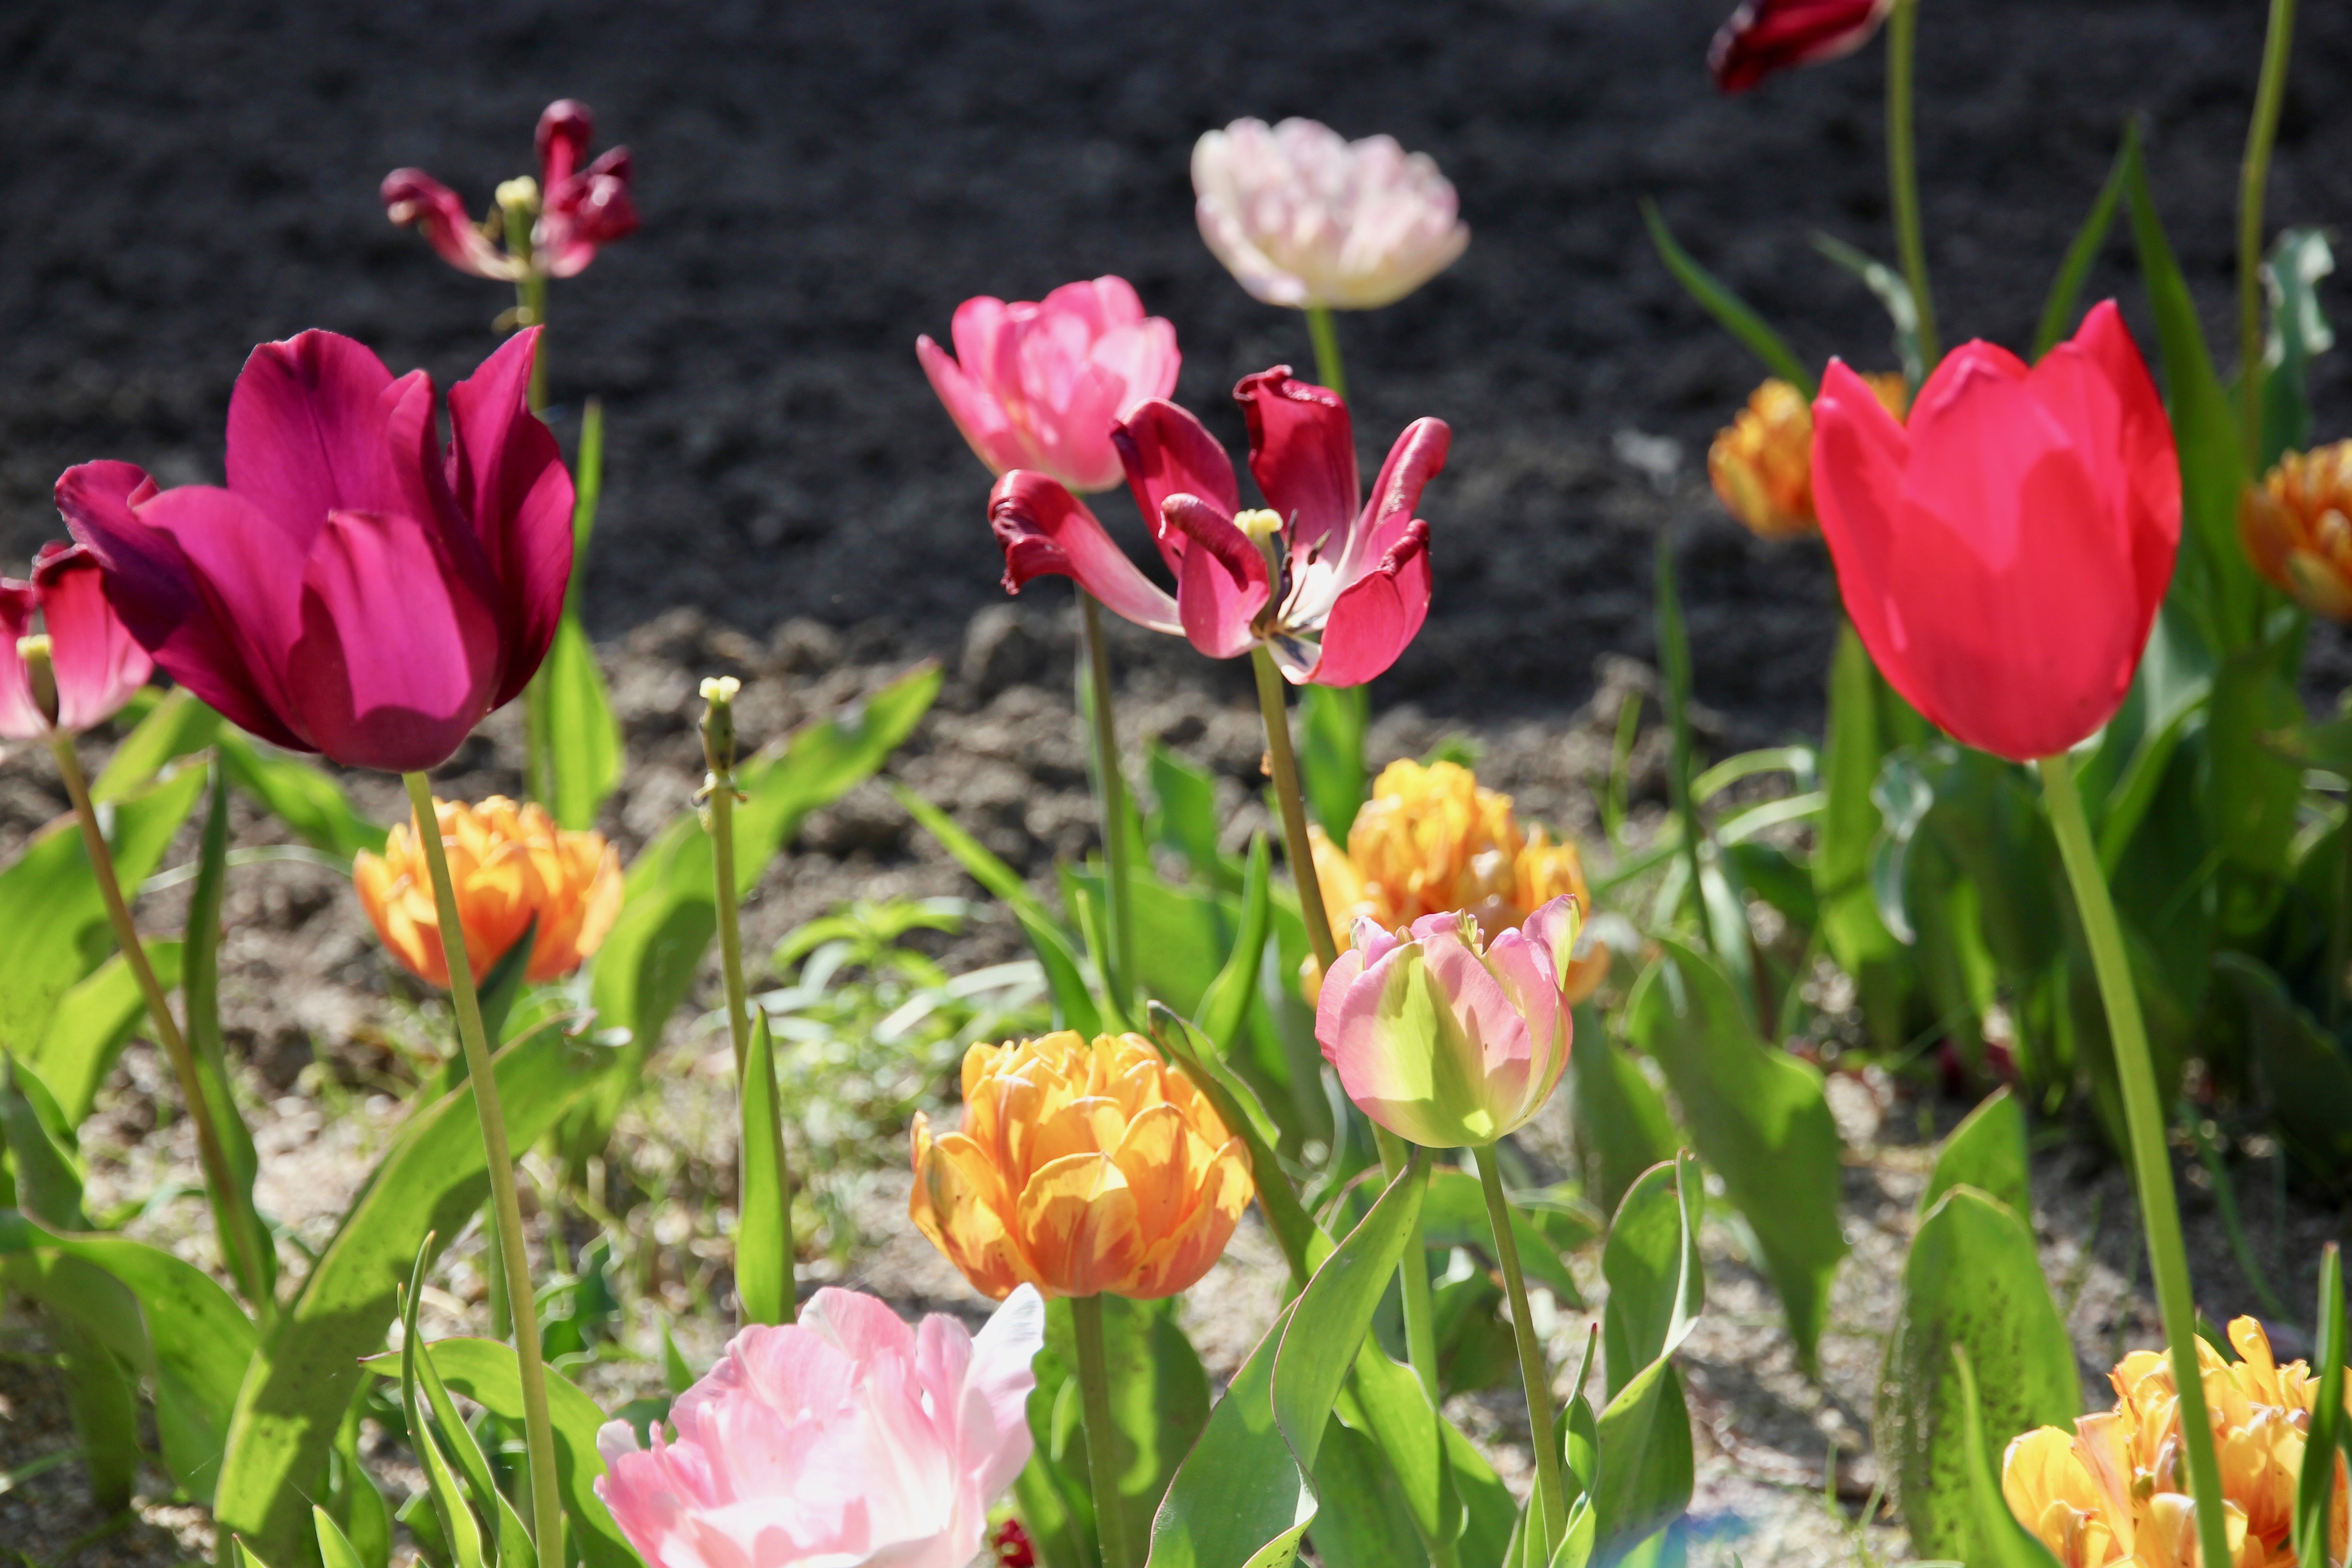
[335,1549]
[431,1180]
[582,737]
[1733,312]
[1972,1280]
[2299,329]
[1383,1402]
[1656,1284]
[1237,1106]
[1331,771]
[48,1176]
[91,1024]
[176,726]
[300,795]
[1646,1465]
[763,1269]
[2306,1073]
[1187,820]
[105,1414]
[1759,1117]
[1622,1125]
[1987,1151]
[1861,734]
[2316,1485]
[1225,1005]
[1893,294]
[1159,1397]
[2083,253]
[1075,1005]
[1455,1215]
[1336,1310]
[587,490]
[2001,1540]
[458,1528]
[1364,1520]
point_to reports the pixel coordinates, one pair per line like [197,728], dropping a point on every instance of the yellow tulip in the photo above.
[1761,464]
[2297,526]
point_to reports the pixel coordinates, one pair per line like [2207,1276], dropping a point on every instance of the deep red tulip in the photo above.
[354,590]
[1766,36]
[94,663]
[580,209]
[1333,586]
[2003,555]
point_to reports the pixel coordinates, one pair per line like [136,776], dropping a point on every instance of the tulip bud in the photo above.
[2296,525]
[719,725]
[1762,462]
[40,676]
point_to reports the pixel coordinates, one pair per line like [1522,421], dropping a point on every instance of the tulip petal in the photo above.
[1768,36]
[1303,455]
[564,132]
[1223,584]
[1045,531]
[2098,386]
[414,196]
[1407,1060]
[1079,1219]
[20,718]
[958,1202]
[1166,451]
[998,1381]
[507,474]
[977,415]
[1221,1189]
[96,661]
[1375,617]
[1417,457]
[306,433]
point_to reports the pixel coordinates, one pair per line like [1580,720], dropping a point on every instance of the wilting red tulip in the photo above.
[1333,586]
[353,591]
[1766,36]
[2003,555]
[93,664]
[579,209]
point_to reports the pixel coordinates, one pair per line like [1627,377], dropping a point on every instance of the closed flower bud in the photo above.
[511,865]
[2296,525]
[1762,462]
[1081,1168]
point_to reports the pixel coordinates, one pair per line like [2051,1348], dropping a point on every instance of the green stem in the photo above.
[2254,182]
[1674,657]
[531,309]
[539,1431]
[1102,1444]
[730,925]
[1111,783]
[2144,1117]
[1532,1370]
[230,1199]
[1903,171]
[1413,1280]
[1326,333]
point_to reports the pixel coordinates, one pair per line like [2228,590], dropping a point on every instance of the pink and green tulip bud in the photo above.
[66,660]
[1444,1039]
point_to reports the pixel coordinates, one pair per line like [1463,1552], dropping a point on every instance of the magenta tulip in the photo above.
[2003,551]
[353,591]
[1040,385]
[844,1438]
[1332,585]
[94,663]
[580,209]
[1768,36]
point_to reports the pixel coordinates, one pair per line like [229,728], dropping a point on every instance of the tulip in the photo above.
[1766,36]
[2297,526]
[83,666]
[1304,218]
[1333,586]
[512,866]
[846,1437]
[578,211]
[1444,1038]
[353,590]
[1430,841]
[1040,385]
[2003,555]
[1761,464]
[1081,1168]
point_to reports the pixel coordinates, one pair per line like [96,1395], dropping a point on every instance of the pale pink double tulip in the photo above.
[1302,216]
[355,590]
[580,209]
[1039,386]
[1444,1039]
[94,663]
[1333,586]
[847,1438]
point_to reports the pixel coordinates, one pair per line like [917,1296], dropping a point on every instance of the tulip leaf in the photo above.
[430,1181]
[1866,721]
[1336,1310]
[2083,252]
[1225,1004]
[584,739]
[47,1177]
[1622,1125]
[1760,1118]
[1998,1541]
[1186,819]
[763,1264]
[2315,1486]
[2306,1073]
[1972,1280]
[1364,1520]
[1331,769]
[300,795]
[2253,796]
[1075,1004]
[1237,1106]
[1737,317]
[1646,1465]
[175,725]
[1455,1215]
[2299,329]
[1656,1284]
[91,1024]
[1893,294]
[1987,1151]
[587,490]
[1159,1397]
[1383,1402]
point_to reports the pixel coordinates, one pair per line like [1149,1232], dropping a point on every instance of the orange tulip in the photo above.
[1761,464]
[1081,1168]
[2296,525]
[511,865]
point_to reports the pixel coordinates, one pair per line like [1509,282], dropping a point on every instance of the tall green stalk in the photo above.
[2159,1210]
[1102,1443]
[1326,333]
[2262,134]
[1533,1373]
[1903,171]
[539,1430]
[1110,784]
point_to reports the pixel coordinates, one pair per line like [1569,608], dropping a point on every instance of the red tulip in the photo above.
[580,209]
[1766,36]
[1333,587]
[94,664]
[2003,555]
[353,591]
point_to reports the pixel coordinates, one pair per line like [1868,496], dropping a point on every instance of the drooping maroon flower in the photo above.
[1766,36]
[580,209]
[94,663]
[354,590]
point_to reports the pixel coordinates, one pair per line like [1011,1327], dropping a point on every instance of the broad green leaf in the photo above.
[1183,936]
[254,1263]
[1384,1401]
[2252,792]
[1860,736]
[1237,1106]
[91,1024]
[1187,820]
[1973,1279]
[459,1529]
[1455,1215]
[176,725]
[2314,1487]
[431,1180]
[1159,1397]
[1335,1310]
[515,1547]
[1622,1125]
[1987,1151]
[1331,770]
[2083,253]
[582,736]
[1738,319]
[1225,1005]
[1051,1491]
[1362,1520]
[763,1266]
[1758,1116]
[1075,1005]
[335,1549]
[2306,1073]
[2000,1541]
[47,1177]
[1656,1284]
[1488,1510]
[104,1410]
[302,795]
[1646,1465]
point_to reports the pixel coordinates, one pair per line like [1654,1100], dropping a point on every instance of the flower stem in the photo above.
[1674,674]
[2144,1117]
[2253,183]
[1903,171]
[1532,1370]
[1326,333]
[231,1203]
[539,1431]
[1102,1446]
[1110,783]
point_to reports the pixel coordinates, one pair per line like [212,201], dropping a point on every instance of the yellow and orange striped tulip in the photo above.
[2297,526]
[1761,464]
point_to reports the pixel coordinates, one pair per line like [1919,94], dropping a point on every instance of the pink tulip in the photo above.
[353,591]
[1766,36]
[94,664]
[580,210]
[1040,385]
[845,1438]
[2003,551]
[1333,586]
[1444,1041]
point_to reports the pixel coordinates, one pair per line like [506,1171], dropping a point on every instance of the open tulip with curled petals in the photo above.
[1761,464]
[355,590]
[1332,584]
[1446,1039]
[83,664]
[1302,216]
[844,1438]
[578,210]
[2003,551]
[1039,386]
[511,865]
[2297,526]
[1081,1168]
[1768,36]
